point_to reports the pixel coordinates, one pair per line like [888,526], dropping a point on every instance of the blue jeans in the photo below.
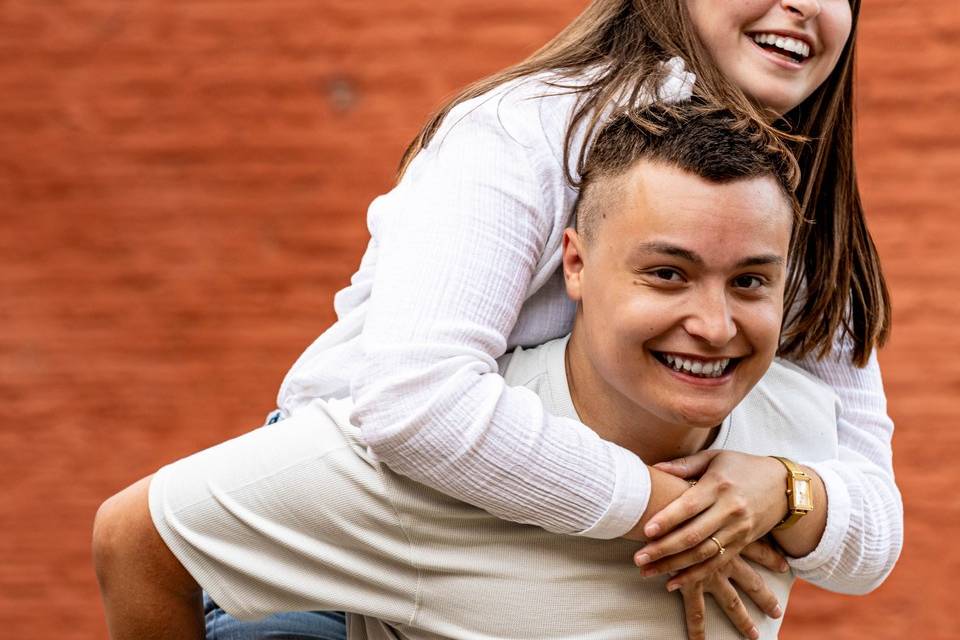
[297,625]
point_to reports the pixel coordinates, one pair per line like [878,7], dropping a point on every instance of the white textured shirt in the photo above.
[462,266]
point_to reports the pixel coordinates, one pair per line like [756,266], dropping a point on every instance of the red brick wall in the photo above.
[183,187]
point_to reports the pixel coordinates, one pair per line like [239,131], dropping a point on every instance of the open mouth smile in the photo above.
[789,49]
[697,367]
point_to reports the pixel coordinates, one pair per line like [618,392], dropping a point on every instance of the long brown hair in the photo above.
[836,289]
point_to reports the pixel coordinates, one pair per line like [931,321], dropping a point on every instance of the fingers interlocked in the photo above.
[720,585]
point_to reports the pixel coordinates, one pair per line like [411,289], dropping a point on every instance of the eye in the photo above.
[749,282]
[667,274]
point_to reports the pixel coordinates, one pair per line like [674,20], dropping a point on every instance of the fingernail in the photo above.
[647,573]
[754,633]
[784,567]
[672,587]
[641,559]
[651,529]
[777,611]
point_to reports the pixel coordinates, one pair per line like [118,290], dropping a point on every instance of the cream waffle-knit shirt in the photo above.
[298,516]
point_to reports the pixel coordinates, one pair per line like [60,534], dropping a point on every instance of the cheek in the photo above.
[762,327]
[838,21]
[720,23]
[645,316]
[710,24]
[625,329]
[835,30]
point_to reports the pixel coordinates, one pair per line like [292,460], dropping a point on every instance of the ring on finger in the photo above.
[720,549]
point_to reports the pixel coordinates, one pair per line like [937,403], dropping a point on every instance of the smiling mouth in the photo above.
[792,49]
[698,368]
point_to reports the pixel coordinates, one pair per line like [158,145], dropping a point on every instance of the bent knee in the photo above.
[121,528]
[128,552]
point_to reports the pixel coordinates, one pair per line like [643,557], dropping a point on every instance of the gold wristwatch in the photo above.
[799,494]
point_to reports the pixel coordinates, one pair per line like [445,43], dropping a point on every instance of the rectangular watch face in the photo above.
[802,493]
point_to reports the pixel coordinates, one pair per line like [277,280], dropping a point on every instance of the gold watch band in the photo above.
[795,509]
[790,520]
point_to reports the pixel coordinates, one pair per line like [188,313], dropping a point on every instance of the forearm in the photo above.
[664,489]
[858,549]
[517,462]
[864,528]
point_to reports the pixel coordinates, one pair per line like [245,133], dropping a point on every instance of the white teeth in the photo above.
[709,369]
[787,44]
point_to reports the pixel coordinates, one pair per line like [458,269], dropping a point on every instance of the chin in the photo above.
[776,102]
[767,95]
[703,416]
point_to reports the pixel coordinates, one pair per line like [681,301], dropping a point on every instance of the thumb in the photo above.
[688,466]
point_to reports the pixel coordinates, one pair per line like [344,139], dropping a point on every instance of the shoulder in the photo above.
[542,370]
[783,376]
[496,156]
[533,112]
[525,367]
[793,406]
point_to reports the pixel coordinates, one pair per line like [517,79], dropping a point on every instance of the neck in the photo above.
[614,417]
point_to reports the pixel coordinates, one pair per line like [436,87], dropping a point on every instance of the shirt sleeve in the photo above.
[864,531]
[461,241]
[251,523]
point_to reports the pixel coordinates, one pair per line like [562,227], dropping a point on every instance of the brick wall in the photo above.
[183,188]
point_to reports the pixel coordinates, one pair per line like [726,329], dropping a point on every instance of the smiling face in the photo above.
[777,51]
[680,291]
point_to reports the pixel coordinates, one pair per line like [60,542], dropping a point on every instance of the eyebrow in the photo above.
[676,251]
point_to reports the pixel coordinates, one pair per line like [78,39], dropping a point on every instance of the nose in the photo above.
[805,9]
[711,320]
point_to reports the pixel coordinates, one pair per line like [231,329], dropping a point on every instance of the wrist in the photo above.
[664,489]
[778,506]
[801,540]
[798,491]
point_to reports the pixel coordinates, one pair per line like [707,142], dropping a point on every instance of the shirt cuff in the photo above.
[630,497]
[838,521]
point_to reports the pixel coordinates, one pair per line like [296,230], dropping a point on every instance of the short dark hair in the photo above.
[710,142]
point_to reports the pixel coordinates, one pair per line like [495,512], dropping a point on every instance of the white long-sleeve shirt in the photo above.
[462,266]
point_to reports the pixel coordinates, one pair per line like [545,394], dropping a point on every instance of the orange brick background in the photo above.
[183,188]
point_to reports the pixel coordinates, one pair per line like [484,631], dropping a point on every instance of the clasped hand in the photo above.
[703,537]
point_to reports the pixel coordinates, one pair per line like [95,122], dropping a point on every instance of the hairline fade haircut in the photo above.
[710,142]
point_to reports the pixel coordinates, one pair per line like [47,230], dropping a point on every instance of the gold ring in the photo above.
[720,548]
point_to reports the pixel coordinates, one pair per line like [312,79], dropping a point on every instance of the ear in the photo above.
[572,263]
